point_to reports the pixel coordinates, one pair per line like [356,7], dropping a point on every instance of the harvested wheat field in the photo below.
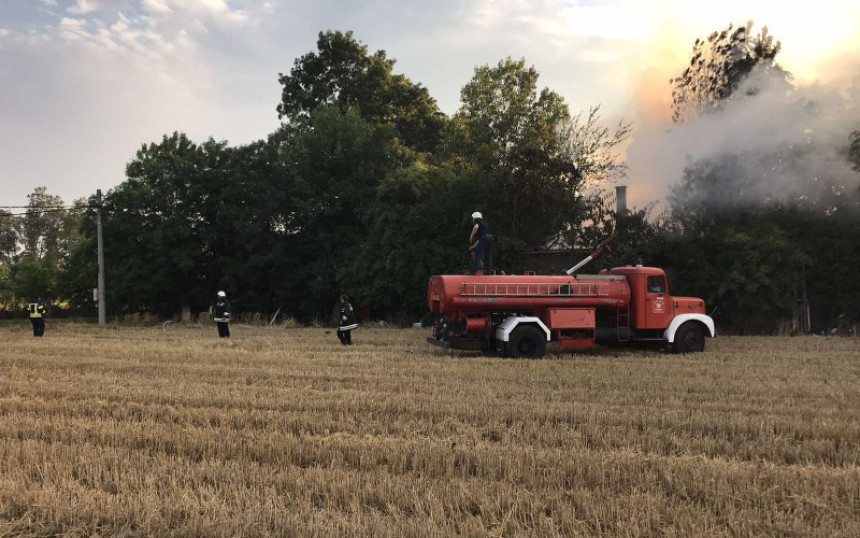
[283,432]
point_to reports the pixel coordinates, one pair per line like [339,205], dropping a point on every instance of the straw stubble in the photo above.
[145,432]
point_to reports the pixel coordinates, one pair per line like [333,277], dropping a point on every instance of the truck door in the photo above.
[658,307]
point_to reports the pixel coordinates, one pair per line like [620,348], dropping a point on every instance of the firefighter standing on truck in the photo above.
[221,315]
[347,321]
[483,242]
[37,316]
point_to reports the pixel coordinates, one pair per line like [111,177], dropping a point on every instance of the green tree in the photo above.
[32,278]
[192,219]
[729,252]
[343,73]
[409,237]
[718,66]
[8,237]
[531,160]
[71,227]
[6,293]
[506,114]
[365,189]
[750,269]
[830,241]
[753,252]
[155,226]
[525,182]
[48,232]
[78,276]
[40,230]
[339,161]
[78,269]
[253,236]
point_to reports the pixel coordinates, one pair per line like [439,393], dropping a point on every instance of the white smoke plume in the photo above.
[783,138]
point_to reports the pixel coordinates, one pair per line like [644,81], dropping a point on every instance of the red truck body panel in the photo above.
[571,318]
[452,294]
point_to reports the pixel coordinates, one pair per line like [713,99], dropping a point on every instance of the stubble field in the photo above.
[283,432]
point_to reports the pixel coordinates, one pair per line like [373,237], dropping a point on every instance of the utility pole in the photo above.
[101,257]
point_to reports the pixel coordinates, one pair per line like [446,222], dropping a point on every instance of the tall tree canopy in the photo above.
[8,236]
[526,181]
[157,225]
[35,245]
[339,162]
[718,66]
[531,159]
[40,230]
[343,73]
[365,189]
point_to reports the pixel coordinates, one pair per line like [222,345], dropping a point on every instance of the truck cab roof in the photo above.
[634,270]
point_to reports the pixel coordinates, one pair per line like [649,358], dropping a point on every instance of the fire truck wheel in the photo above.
[690,338]
[526,342]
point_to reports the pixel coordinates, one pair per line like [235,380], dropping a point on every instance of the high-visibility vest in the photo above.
[36,310]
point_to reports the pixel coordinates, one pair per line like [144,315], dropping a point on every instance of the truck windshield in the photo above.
[656,284]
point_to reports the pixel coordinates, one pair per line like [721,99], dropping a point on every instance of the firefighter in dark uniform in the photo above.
[483,242]
[221,315]
[347,321]
[37,316]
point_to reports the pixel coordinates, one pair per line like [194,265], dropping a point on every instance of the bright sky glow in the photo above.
[83,83]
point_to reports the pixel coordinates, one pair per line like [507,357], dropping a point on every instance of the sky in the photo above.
[84,83]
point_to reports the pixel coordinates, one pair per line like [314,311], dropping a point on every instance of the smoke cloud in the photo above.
[783,138]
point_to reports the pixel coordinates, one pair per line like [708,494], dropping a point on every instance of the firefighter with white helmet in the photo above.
[347,322]
[483,242]
[221,315]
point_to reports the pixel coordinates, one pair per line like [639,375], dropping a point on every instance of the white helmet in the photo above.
[222,294]
[477,215]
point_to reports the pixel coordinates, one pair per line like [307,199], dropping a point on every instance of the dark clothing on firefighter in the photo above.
[37,317]
[347,323]
[482,249]
[483,229]
[221,315]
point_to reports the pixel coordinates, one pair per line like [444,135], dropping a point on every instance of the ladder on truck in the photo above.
[622,323]
[572,289]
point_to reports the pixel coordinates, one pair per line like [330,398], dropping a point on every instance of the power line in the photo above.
[40,211]
[43,207]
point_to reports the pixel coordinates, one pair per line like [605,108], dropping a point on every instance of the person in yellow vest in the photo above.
[37,316]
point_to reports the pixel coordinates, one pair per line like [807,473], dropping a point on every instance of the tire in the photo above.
[690,338]
[526,342]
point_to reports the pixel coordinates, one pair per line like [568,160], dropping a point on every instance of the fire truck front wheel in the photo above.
[526,342]
[690,338]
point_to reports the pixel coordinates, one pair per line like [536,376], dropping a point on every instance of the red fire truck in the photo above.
[517,315]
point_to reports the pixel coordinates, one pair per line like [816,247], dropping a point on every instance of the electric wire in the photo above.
[41,211]
[62,206]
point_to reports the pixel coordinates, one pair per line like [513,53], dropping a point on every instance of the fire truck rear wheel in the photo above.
[526,342]
[690,338]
